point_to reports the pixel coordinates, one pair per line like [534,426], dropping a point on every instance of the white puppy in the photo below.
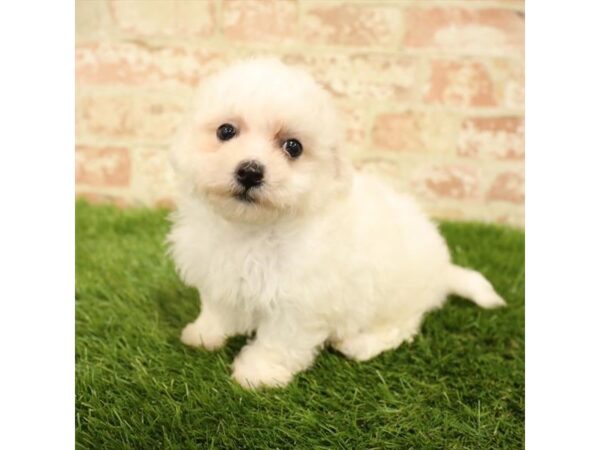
[285,240]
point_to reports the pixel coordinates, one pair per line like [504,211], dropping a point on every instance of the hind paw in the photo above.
[365,346]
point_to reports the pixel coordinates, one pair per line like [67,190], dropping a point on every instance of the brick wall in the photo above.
[432,90]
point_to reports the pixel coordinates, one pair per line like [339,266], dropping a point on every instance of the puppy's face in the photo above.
[262,142]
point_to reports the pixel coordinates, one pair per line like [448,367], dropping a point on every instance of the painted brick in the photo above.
[109,63]
[508,187]
[91,20]
[108,166]
[260,20]
[464,30]
[515,217]
[137,60]
[166,203]
[495,137]
[509,82]
[146,118]
[446,181]
[96,198]
[460,84]
[154,179]
[416,131]
[150,18]
[362,76]
[359,24]
[517,5]
[354,121]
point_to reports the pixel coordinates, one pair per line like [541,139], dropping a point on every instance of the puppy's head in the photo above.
[262,142]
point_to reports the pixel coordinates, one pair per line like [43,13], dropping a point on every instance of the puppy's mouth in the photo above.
[245,196]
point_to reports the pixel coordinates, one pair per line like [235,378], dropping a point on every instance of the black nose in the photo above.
[250,174]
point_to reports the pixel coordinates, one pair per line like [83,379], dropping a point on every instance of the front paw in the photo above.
[195,335]
[253,370]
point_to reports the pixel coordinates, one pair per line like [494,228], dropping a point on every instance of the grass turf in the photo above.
[460,384]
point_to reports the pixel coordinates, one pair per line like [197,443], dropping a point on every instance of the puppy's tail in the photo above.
[472,285]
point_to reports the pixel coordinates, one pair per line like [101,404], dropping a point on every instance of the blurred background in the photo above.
[432,91]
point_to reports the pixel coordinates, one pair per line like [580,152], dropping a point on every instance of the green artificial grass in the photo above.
[459,385]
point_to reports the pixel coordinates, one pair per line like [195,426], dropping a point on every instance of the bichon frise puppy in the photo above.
[284,239]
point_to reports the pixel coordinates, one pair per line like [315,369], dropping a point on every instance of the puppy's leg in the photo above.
[210,329]
[370,343]
[280,350]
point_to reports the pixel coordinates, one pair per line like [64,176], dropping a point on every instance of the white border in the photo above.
[563,225]
[37,224]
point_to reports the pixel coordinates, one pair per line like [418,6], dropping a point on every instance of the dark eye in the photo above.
[293,147]
[226,132]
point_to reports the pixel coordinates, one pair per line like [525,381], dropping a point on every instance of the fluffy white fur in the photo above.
[322,255]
